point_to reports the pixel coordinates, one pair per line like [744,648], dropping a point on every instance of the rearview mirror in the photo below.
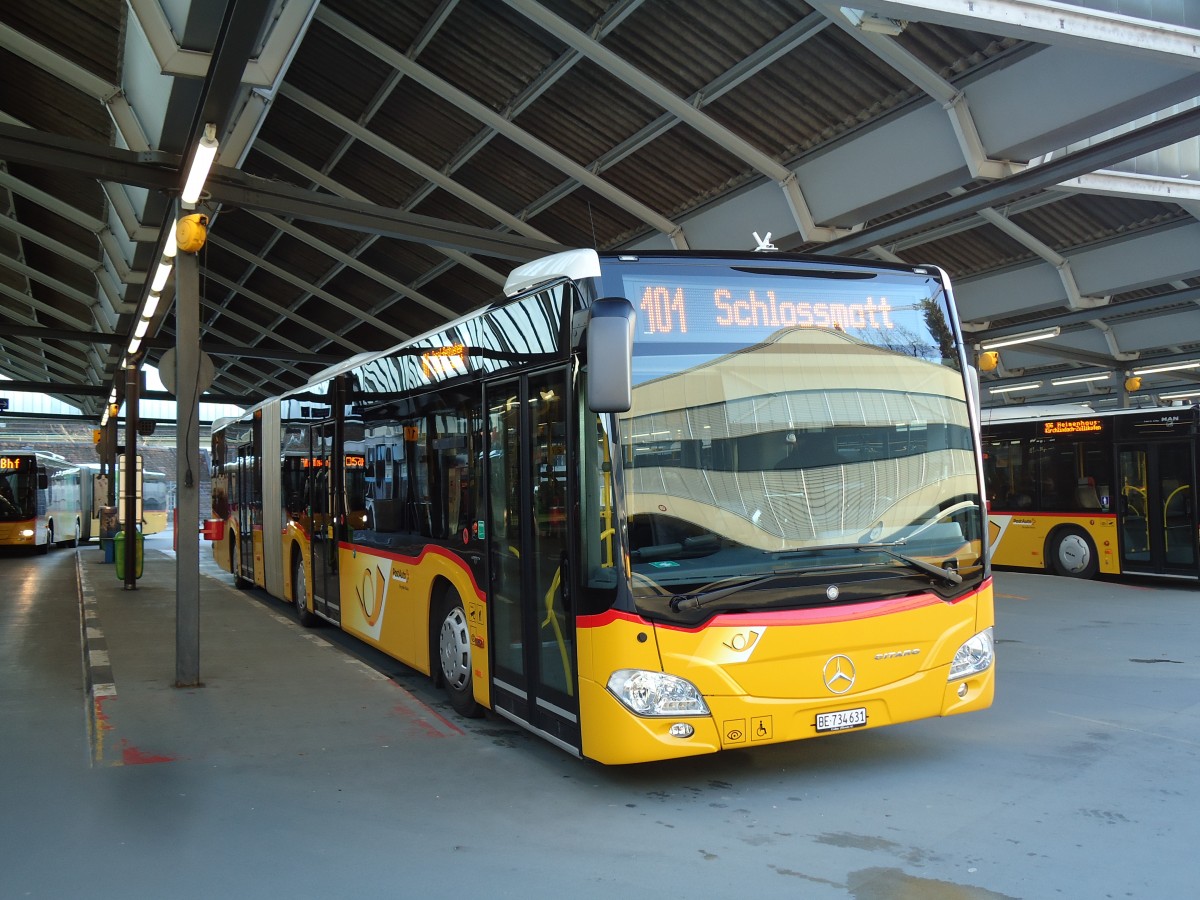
[610,355]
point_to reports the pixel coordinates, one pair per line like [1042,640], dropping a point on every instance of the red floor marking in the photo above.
[132,756]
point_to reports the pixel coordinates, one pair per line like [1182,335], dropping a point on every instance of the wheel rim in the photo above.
[300,587]
[454,648]
[1074,554]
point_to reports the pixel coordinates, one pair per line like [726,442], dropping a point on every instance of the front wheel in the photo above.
[452,642]
[1073,554]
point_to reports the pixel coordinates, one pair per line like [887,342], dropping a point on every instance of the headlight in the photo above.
[27,532]
[975,656]
[656,693]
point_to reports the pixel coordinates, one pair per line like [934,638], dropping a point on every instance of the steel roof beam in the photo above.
[283,311]
[1035,178]
[1146,306]
[412,163]
[739,147]
[312,290]
[231,186]
[1052,23]
[499,123]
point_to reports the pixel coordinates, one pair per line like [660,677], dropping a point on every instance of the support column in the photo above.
[129,484]
[187,472]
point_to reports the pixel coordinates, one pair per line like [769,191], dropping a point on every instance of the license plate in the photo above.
[842,719]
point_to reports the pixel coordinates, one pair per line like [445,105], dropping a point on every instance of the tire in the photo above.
[451,642]
[300,592]
[1073,554]
[235,565]
[45,548]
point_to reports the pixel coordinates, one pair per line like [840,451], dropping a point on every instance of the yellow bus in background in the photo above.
[1080,493]
[152,499]
[40,500]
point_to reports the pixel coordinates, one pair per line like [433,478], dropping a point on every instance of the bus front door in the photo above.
[324,546]
[1157,508]
[531,614]
[247,508]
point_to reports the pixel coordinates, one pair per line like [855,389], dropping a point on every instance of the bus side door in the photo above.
[1157,507]
[531,610]
[325,522]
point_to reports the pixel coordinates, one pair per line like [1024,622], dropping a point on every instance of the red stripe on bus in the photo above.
[820,616]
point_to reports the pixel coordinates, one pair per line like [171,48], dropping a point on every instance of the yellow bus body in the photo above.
[386,600]
[761,684]
[1020,539]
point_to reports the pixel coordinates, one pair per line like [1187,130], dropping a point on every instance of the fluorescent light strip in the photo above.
[206,153]
[1024,338]
[161,274]
[1028,386]
[151,306]
[1167,367]
[1081,379]
[1181,395]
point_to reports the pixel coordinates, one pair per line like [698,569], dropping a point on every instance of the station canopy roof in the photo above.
[383,164]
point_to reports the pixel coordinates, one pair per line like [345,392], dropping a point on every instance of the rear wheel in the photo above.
[300,592]
[235,566]
[1073,554]
[452,642]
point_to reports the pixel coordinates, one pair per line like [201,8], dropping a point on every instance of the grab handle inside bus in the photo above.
[610,355]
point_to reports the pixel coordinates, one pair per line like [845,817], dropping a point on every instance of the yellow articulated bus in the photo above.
[1080,493]
[150,493]
[40,500]
[648,506]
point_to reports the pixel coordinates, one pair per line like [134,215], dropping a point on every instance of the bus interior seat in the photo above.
[1085,494]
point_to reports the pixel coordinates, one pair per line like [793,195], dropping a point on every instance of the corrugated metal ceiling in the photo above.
[472,112]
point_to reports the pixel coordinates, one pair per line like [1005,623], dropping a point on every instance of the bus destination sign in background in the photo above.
[1073,426]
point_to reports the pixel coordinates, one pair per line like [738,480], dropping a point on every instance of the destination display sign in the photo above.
[665,311]
[352,461]
[15,463]
[741,308]
[1073,426]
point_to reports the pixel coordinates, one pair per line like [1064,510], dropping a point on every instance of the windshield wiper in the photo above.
[681,602]
[950,575]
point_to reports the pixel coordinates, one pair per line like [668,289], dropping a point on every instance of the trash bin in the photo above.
[119,554]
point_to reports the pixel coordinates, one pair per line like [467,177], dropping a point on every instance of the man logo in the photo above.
[839,674]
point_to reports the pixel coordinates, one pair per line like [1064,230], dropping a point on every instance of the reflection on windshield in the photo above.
[808,439]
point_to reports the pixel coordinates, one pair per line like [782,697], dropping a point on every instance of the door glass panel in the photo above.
[555,636]
[324,541]
[505,449]
[1133,506]
[1177,505]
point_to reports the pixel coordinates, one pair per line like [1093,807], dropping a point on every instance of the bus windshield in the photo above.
[792,425]
[16,489]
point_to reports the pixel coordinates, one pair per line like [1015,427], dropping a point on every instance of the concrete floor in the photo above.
[302,770]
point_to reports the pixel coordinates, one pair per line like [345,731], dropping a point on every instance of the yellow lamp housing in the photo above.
[191,232]
[1133,383]
[989,360]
